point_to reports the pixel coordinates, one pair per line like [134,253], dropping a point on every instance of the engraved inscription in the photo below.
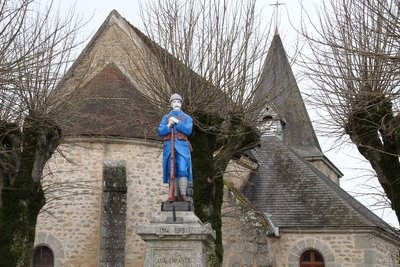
[174,230]
[174,260]
[178,257]
[164,230]
[180,230]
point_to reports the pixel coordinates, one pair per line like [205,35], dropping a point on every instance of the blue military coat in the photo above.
[183,165]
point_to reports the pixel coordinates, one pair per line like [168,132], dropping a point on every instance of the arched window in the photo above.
[43,257]
[311,258]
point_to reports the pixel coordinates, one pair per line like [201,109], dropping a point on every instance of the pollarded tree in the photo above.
[35,49]
[211,53]
[355,66]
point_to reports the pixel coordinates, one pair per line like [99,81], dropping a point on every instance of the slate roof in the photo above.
[112,106]
[296,194]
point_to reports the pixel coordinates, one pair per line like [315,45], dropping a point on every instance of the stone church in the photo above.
[283,205]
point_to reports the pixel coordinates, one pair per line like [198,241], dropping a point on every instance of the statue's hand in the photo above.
[171,122]
[174,120]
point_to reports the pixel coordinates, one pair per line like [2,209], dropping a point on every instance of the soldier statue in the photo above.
[175,127]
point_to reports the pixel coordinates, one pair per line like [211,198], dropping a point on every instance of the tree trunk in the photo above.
[22,195]
[208,169]
[375,132]
[208,189]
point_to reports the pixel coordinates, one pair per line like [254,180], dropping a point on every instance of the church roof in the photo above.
[295,194]
[102,90]
[279,86]
[112,107]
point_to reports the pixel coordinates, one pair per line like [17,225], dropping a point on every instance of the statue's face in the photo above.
[176,104]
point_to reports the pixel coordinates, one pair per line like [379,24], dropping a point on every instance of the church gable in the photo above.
[117,43]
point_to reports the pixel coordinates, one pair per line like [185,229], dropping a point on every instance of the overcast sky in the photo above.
[289,13]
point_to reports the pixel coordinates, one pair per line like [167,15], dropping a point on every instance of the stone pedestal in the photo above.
[183,242]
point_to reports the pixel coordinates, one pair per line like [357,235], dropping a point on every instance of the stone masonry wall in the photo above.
[244,235]
[340,249]
[73,213]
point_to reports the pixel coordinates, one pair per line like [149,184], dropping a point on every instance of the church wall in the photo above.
[244,234]
[73,189]
[238,172]
[339,249]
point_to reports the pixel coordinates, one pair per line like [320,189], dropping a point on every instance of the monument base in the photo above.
[183,243]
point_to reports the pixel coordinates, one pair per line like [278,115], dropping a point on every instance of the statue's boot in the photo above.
[183,182]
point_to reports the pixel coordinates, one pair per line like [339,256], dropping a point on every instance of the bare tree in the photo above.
[35,49]
[355,67]
[210,52]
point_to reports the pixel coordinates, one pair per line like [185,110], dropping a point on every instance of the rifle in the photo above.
[171,193]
